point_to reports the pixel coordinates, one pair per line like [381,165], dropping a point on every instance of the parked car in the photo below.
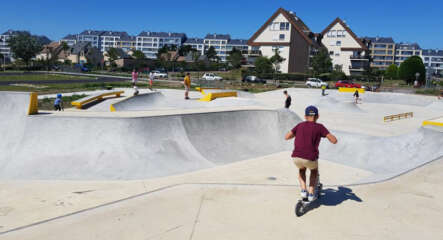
[253,79]
[158,74]
[211,77]
[315,82]
[347,84]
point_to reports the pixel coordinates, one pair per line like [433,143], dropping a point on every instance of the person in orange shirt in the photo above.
[187,83]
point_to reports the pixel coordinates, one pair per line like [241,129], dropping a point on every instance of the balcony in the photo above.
[254,53]
[359,58]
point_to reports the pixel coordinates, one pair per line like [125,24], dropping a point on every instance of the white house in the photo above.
[345,48]
[286,32]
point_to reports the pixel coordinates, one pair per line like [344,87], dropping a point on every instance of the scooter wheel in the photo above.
[299,209]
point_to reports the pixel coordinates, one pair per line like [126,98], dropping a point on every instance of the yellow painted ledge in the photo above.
[360,90]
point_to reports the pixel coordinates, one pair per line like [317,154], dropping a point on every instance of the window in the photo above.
[282,37]
[275,26]
[331,53]
[332,33]
[338,43]
[284,26]
[341,33]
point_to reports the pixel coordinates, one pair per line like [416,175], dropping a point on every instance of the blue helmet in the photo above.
[311,111]
[59,95]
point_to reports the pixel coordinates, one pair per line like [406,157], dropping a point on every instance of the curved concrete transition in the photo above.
[56,147]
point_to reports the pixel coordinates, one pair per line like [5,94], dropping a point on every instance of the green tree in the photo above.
[263,65]
[321,62]
[24,46]
[235,57]
[185,49]
[139,55]
[113,54]
[211,54]
[94,56]
[392,72]
[410,67]
[276,60]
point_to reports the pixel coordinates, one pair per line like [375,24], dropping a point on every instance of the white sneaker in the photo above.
[304,194]
[311,197]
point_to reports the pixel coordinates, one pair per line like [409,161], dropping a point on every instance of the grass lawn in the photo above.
[431,91]
[41,77]
[48,103]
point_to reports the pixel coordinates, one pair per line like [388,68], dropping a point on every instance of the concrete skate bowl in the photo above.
[158,101]
[328,103]
[386,157]
[96,148]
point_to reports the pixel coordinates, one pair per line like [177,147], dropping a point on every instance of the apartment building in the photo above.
[433,60]
[197,44]
[69,39]
[127,43]
[5,50]
[91,36]
[382,52]
[150,42]
[347,51]
[286,33]
[222,43]
[112,39]
[405,50]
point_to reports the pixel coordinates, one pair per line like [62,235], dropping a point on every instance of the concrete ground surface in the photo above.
[224,190]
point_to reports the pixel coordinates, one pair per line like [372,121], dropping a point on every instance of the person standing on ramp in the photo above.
[356,96]
[187,84]
[307,136]
[288,99]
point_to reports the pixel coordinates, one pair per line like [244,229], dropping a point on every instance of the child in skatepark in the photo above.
[307,136]
[58,103]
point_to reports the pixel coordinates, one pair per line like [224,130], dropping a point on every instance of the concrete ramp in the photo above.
[329,103]
[385,156]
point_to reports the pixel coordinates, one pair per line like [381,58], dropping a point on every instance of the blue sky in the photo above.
[404,20]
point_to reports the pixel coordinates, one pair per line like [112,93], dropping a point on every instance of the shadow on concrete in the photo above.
[331,197]
[334,197]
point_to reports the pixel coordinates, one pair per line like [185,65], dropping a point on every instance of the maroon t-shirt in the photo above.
[307,138]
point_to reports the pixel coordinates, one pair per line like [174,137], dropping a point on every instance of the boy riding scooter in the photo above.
[305,155]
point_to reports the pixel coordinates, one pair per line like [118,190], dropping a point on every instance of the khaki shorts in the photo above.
[186,88]
[303,163]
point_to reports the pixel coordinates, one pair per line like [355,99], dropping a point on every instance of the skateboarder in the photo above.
[288,99]
[187,84]
[58,103]
[356,96]
[305,155]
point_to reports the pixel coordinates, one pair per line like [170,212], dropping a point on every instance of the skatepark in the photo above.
[155,166]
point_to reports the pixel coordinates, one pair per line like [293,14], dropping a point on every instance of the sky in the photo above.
[404,20]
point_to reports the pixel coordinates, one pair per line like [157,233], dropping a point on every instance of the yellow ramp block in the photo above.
[33,104]
[360,90]
[211,96]
[434,122]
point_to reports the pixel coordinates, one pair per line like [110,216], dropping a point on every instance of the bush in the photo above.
[410,67]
